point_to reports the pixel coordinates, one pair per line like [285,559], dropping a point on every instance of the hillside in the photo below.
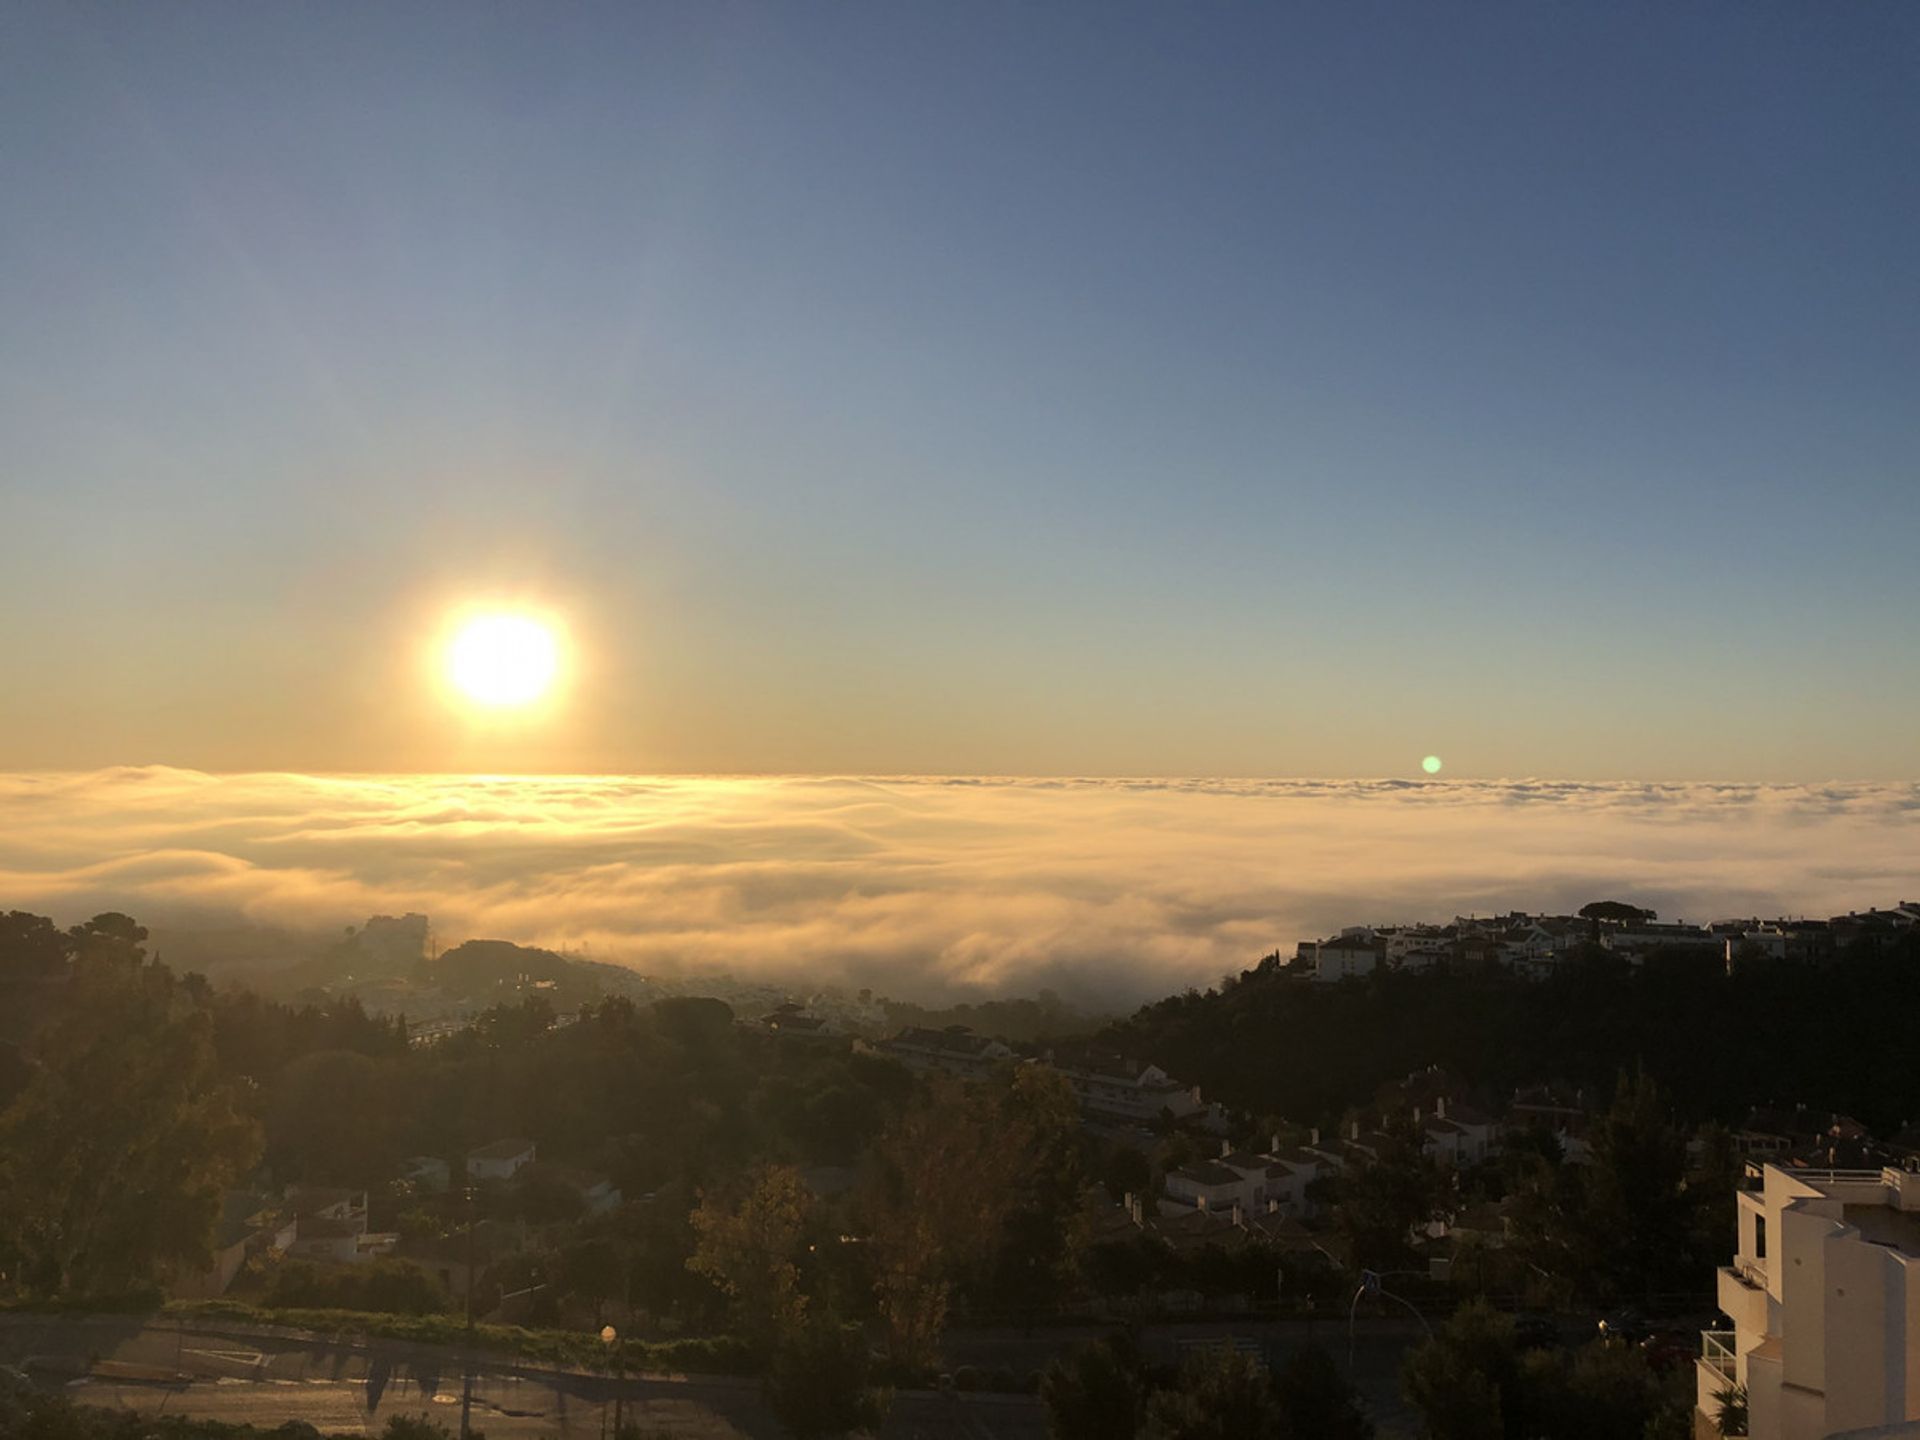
[1838,1034]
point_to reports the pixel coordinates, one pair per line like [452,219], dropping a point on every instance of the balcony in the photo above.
[1716,1353]
[1742,1296]
[1715,1372]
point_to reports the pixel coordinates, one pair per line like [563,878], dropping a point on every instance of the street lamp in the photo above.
[466,1388]
[610,1338]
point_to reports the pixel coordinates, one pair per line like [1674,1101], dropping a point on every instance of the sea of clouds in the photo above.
[1109,890]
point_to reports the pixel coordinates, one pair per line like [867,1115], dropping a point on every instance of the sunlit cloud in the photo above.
[1117,889]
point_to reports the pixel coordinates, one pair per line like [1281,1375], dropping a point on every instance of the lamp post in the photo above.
[466,1388]
[610,1338]
[1370,1285]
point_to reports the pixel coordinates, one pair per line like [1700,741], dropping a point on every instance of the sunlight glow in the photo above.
[503,660]
[1431,764]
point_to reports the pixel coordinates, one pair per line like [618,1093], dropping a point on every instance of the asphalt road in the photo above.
[216,1370]
[243,1374]
[1373,1360]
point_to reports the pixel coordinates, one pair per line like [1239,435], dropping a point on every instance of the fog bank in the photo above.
[935,888]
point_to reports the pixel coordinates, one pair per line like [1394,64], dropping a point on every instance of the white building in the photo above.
[1207,1185]
[1419,947]
[1272,1182]
[1635,942]
[499,1161]
[1767,942]
[331,1225]
[1824,1296]
[1457,1133]
[1127,1089]
[1349,957]
[955,1050]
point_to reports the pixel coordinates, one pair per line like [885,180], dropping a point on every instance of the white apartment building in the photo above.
[1824,1296]
[1349,956]
[1126,1089]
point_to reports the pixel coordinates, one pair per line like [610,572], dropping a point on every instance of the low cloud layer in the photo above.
[1108,889]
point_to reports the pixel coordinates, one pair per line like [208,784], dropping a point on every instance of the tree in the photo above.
[332,1119]
[1222,1395]
[1635,1220]
[1044,1227]
[1316,1399]
[31,947]
[940,1192]
[1730,1409]
[1599,1392]
[1092,1394]
[752,1250]
[115,1156]
[819,1383]
[1616,910]
[1465,1379]
[1382,1203]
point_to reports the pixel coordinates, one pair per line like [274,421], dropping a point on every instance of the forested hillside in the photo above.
[1837,1035]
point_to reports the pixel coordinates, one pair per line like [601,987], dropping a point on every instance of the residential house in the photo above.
[1824,1296]
[501,1160]
[1559,1109]
[1349,956]
[1110,1086]
[1475,1135]
[596,1193]
[1207,1185]
[1638,940]
[331,1225]
[1419,947]
[427,1174]
[955,1050]
[250,1224]
[794,1020]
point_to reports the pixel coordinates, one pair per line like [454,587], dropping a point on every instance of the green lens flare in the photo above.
[1431,764]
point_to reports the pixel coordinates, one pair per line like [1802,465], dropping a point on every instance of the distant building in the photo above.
[331,1225]
[499,1161]
[1456,1133]
[1273,1181]
[428,1174]
[1108,1085]
[794,1020]
[955,1050]
[1824,1295]
[1349,956]
[250,1224]
[1206,1185]
[597,1194]
[1636,942]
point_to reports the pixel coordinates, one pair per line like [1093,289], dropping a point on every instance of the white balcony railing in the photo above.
[1716,1350]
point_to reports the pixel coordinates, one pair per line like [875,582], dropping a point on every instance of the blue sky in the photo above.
[1014,389]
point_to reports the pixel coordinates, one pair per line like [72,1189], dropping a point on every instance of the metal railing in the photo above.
[1716,1349]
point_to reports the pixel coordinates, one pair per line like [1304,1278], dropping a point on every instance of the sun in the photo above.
[503,660]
